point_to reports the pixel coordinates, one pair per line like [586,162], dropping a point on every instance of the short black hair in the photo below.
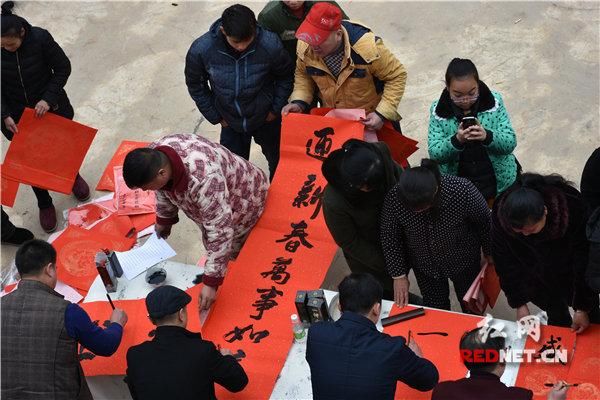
[359,292]
[141,166]
[355,165]
[239,22]
[461,68]
[419,187]
[524,202]
[33,256]
[473,340]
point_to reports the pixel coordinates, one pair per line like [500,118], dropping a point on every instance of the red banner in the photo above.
[289,249]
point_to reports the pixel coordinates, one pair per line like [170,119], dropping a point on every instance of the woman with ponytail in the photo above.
[540,249]
[34,72]
[470,133]
[437,226]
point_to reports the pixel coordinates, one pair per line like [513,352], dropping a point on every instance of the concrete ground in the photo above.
[128,60]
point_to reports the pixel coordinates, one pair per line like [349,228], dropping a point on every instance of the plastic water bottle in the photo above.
[298,329]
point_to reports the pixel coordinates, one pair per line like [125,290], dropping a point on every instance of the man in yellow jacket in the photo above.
[349,65]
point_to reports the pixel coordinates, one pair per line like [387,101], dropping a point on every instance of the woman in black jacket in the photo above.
[359,175]
[34,72]
[540,249]
[435,225]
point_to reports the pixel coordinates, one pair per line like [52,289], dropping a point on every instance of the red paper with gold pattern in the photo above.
[48,152]
[77,247]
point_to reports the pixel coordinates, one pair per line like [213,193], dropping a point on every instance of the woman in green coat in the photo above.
[470,134]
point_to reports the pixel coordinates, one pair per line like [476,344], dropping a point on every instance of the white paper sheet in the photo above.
[138,260]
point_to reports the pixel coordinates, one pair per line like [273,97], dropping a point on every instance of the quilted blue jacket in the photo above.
[240,88]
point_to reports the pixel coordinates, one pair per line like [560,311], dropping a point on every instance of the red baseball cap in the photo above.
[322,19]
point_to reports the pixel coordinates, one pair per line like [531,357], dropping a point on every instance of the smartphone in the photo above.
[468,122]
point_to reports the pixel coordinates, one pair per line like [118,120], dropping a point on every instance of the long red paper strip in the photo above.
[584,368]
[106,181]
[535,375]
[138,330]
[266,336]
[441,350]
[48,152]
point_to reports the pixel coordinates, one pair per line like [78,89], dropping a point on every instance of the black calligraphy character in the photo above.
[266,301]
[306,196]
[279,273]
[550,348]
[323,145]
[238,334]
[258,336]
[299,233]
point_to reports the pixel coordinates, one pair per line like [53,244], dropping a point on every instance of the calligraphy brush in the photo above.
[110,301]
[567,385]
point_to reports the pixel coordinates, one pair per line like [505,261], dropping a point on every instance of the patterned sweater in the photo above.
[442,245]
[221,192]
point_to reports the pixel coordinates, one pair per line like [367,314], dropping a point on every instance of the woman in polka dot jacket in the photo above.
[435,225]
[481,152]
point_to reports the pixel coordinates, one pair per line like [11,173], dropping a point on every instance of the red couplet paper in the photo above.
[77,247]
[138,330]
[535,375]
[443,351]
[8,190]
[401,147]
[585,366]
[106,181]
[253,306]
[142,221]
[48,152]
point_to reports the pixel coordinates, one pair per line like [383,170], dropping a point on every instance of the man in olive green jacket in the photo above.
[284,18]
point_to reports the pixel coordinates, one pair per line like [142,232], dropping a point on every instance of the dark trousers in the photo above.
[267,137]
[558,314]
[436,291]
[8,229]
[64,110]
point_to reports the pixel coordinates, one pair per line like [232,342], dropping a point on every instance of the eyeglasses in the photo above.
[465,99]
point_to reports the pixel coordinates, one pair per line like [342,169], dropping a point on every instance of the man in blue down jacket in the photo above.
[351,359]
[240,76]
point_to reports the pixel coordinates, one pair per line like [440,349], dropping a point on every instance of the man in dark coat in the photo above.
[177,363]
[240,76]
[351,359]
[484,382]
[359,175]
